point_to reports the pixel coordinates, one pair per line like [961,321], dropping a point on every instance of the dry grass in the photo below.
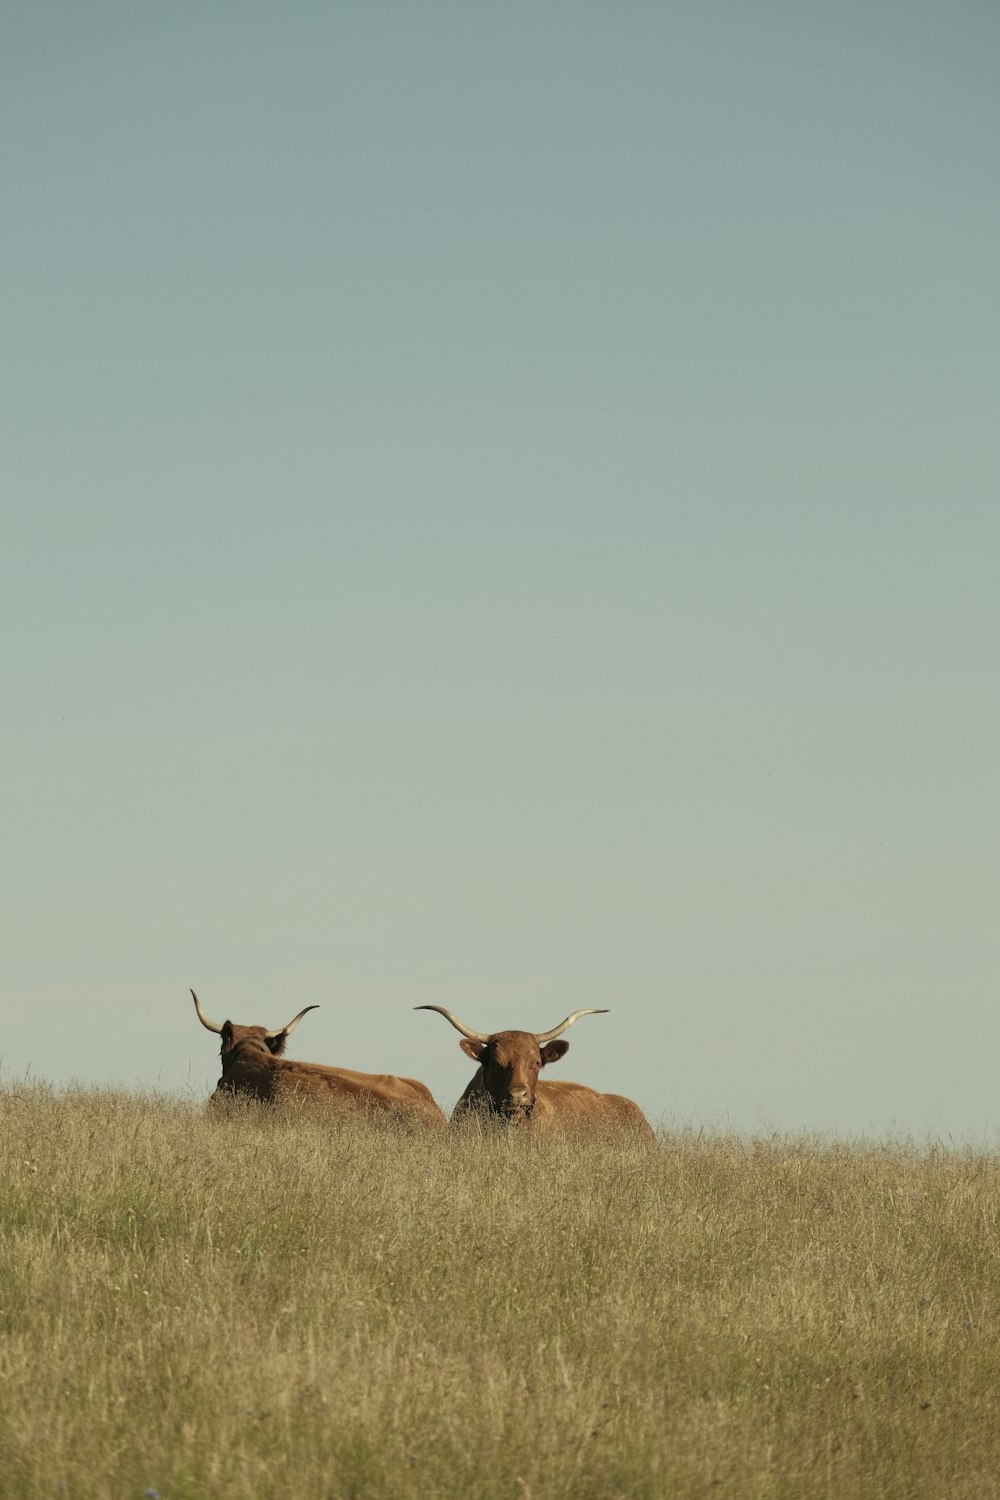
[263,1305]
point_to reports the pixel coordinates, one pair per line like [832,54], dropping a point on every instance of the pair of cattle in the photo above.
[506,1083]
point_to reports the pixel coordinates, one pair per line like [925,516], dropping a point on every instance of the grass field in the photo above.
[261,1304]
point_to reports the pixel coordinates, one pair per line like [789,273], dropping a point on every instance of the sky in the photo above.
[501,511]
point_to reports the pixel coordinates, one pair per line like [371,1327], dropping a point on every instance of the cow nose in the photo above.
[519,1097]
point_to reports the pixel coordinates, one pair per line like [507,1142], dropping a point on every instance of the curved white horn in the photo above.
[474,1036]
[292,1024]
[549,1036]
[208,1025]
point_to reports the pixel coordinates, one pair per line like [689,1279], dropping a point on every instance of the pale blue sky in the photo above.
[502,511]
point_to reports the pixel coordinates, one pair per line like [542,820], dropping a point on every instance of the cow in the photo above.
[253,1065]
[506,1085]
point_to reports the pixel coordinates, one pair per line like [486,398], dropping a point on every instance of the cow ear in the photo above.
[553,1051]
[472,1049]
[226,1035]
[277,1043]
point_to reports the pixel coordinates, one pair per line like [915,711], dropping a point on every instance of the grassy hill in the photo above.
[263,1304]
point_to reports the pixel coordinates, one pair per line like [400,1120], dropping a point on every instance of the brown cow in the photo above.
[507,1086]
[252,1064]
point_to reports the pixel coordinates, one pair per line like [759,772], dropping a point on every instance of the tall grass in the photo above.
[262,1304]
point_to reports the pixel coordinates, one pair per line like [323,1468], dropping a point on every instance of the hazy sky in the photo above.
[502,509]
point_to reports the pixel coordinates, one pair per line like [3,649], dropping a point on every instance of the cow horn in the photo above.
[209,1025]
[474,1036]
[549,1036]
[287,1030]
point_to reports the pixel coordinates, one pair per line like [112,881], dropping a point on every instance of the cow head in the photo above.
[232,1035]
[511,1061]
